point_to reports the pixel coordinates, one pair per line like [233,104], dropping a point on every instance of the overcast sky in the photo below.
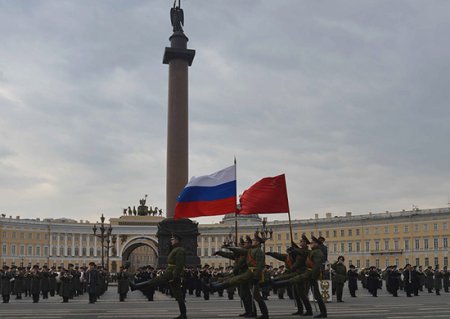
[350,99]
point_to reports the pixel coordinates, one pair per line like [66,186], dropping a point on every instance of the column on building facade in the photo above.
[50,244]
[95,246]
[209,246]
[215,244]
[202,245]
[73,244]
[88,245]
[65,244]
[57,244]
[80,245]
[118,245]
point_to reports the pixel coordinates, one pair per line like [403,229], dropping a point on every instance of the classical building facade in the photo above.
[419,237]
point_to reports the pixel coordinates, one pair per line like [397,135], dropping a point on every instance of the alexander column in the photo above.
[179,58]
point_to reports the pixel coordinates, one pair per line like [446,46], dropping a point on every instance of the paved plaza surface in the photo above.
[136,306]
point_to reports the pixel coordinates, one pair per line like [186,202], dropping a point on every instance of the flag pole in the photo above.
[289,212]
[236,211]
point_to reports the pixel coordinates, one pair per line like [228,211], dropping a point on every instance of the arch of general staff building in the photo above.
[418,236]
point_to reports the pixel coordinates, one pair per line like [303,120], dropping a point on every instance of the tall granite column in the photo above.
[179,58]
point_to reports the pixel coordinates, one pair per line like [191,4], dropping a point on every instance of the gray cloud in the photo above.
[348,99]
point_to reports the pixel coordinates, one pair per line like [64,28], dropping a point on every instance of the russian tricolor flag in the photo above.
[208,195]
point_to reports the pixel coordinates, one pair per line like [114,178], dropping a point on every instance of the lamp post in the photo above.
[105,236]
[265,233]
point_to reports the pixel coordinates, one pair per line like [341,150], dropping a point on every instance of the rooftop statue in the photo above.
[177,17]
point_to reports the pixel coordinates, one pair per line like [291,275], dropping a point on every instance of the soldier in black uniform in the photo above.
[123,285]
[352,275]
[35,283]
[5,278]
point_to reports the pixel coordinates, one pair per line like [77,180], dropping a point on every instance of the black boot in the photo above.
[279,283]
[213,287]
[139,286]
[182,308]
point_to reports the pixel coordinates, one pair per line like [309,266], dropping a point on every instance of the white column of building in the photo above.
[50,243]
[65,244]
[88,245]
[118,244]
[209,246]
[215,244]
[80,245]
[95,246]
[73,244]
[57,244]
[202,245]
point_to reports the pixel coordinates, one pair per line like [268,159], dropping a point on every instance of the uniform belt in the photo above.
[252,268]
[171,265]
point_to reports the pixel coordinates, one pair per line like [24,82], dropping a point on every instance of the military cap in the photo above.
[341,257]
[305,239]
[248,239]
[175,236]
[241,241]
[5,267]
[315,240]
[92,263]
[13,267]
[321,239]
[35,267]
[70,265]
[352,266]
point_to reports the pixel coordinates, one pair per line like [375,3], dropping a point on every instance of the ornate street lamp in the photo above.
[105,236]
[265,233]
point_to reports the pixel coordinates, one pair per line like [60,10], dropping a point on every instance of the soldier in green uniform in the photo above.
[311,275]
[172,275]
[255,260]
[340,276]
[240,267]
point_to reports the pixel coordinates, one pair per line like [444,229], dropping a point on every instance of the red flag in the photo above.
[268,196]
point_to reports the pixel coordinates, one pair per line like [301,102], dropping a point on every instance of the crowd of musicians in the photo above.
[66,283]
[249,278]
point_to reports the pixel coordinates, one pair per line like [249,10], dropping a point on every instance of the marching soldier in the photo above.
[123,285]
[437,280]
[240,267]
[340,277]
[35,283]
[172,275]
[446,278]
[5,278]
[352,276]
[255,260]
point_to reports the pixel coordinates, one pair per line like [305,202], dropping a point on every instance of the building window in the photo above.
[287,236]
[327,234]
[342,248]
[77,251]
[38,236]
[22,250]
[350,262]
[13,235]
[427,262]
[279,236]
[396,229]
[436,261]
[406,261]
[416,227]
[406,229]
[199,251]
[367,246]
[386,229]
[350,233]
[350,247]
[425,227]
[91,252]
[4,250]
[367,231]
[54,237]
[213,239]
[83,251]
[45,250]
[358,263]
[396,247]
[38,250]
[22,235]
[334,233]
[417,262]
[30,236]
[417,244]
[69,251]
[435,243]
[61,251]
[213,250]
[377,246]
[13,250]
[397,262]
[205,252]
[435,226]
[386,244]
[367,263]
[357,231]
[295,236]
[406,244]
[279,249]
[444,226]
[358,246]
[425,243]
[446,261]
[46,236]
[54,251]
[342,233]
[30,250]
[377,263]
[271,249]
[445,242]
[61,236]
